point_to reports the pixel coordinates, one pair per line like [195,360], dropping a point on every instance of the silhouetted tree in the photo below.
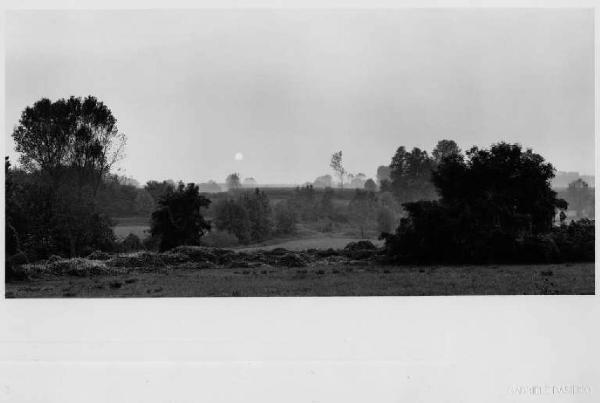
[178,219]
[490,201]
[67,148]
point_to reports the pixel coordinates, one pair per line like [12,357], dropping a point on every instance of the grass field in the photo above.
[131,225]
[362,279]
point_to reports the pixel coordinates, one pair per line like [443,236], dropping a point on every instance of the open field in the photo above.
[348,278]
[131,225]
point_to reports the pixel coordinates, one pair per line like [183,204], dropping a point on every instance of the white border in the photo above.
[408,349]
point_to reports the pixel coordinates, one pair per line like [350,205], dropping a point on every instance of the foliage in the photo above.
[178,219]
[259,214]
[496,206]
[231,216]
[285,218]
[370,185]
[232,182]
[75,135]
[337,166]
[67,149]
[158,189]
[362,209]
[443,149]
[411,175]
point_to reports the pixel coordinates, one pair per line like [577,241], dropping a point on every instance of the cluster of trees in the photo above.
[409,175]
[67,149]
[249,216]
[494,205]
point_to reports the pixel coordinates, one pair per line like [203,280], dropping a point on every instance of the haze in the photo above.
[286,89]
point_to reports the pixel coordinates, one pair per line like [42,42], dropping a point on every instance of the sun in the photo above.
[239,156]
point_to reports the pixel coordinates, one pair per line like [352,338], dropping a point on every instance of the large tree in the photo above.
[491,200]
[69,135]
[67,148]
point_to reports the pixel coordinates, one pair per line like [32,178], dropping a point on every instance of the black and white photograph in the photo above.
[316,201]
[272,152]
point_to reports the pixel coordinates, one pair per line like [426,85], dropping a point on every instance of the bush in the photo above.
[178,220]
[576,241]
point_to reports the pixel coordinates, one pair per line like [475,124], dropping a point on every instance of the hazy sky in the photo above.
[287,88]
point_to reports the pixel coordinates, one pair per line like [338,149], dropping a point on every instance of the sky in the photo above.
[271,94]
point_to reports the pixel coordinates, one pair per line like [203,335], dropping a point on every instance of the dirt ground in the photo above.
[364,279]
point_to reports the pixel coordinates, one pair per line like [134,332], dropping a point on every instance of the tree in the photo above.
[370,185]
[338,168]
[444,148]
[285,218]
[178,219]
[259,212]
[67,148]
[76,134]
[491,201]
[233,181]
[411,175]
[158,189]
[231,216]
[508,187]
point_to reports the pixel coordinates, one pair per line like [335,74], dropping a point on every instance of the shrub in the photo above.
[178,220]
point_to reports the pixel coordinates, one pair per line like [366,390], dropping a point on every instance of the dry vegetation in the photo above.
[197,271]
